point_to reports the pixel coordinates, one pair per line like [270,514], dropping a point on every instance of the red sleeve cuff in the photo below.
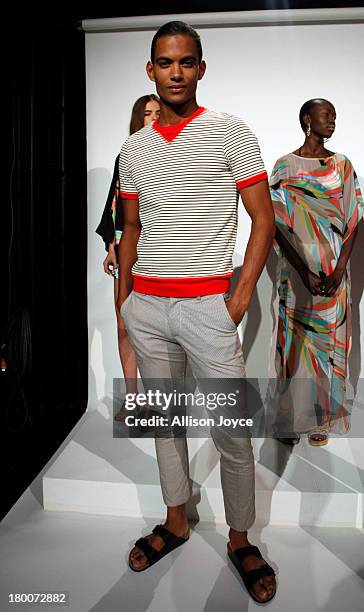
[251,180]
[129,196]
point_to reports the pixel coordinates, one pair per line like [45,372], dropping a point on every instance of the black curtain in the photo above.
[43,382]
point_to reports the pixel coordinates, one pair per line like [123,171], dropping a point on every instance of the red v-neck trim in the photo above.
[169,132]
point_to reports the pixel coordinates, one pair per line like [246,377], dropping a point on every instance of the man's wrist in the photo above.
[122,297]
[120,301]
[238,304]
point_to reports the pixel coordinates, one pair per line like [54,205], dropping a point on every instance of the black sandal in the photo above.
[251,576]
[289,439]
[171,541]
[120,415]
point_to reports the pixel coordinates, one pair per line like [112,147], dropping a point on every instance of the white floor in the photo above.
[319,569]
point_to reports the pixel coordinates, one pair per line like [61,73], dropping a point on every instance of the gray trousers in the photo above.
[166,333]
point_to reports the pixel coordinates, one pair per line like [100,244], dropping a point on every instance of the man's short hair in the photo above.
[171,29]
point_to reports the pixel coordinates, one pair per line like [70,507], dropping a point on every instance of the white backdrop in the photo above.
[262,74]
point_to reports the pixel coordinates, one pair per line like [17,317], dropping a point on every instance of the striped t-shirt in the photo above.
[186,178]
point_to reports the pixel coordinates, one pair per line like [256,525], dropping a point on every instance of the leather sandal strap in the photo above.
[246,551]
[170,541]
[162,532]
[147,549]
[252,576]
[167,536]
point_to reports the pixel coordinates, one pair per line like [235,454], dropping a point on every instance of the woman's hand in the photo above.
[312,282]
[110,262]
[333,282]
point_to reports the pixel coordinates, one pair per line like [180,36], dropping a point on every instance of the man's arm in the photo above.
[128,248]
[258,204]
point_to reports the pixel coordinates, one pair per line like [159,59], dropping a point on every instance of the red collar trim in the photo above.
[169,132]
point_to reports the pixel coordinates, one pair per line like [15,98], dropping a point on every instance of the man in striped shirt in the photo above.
[180,180]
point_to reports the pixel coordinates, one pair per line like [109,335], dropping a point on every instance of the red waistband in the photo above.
[181,287]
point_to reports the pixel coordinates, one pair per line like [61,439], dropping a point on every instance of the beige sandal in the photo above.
[318,436]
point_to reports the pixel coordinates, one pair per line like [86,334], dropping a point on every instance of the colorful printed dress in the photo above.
[317,205]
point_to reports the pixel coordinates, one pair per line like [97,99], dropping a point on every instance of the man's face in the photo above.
[176,68]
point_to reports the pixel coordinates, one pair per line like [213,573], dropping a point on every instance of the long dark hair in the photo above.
[137,114]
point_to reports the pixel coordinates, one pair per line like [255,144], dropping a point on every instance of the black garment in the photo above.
[106,228]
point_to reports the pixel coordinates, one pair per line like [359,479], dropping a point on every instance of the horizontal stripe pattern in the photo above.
[188,196]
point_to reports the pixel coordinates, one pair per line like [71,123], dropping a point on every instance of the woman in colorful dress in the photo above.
[318,205]
[144,112]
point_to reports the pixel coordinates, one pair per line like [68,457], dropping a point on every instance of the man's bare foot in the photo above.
[176,523]
[265,587]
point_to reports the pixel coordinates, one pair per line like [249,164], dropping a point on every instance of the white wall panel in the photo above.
[262,74]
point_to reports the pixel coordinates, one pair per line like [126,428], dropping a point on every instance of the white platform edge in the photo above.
[273,508]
